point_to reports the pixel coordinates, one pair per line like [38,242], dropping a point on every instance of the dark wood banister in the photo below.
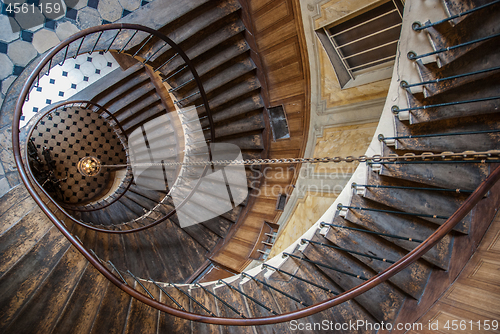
[383,276]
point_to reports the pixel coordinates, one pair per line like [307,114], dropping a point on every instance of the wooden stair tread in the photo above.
[42,311]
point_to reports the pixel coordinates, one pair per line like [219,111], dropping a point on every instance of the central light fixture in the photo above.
[89,166]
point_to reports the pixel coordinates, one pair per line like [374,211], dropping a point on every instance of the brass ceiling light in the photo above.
[89,166]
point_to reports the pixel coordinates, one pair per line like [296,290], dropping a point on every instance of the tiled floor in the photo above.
[68,142]
[19,46]
[64,81]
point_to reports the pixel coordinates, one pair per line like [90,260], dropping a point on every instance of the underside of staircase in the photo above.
[48,286]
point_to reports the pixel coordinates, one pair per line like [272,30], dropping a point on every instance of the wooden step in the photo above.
[478,59]
[343,313]
[459,143]
[21,282]
[153,111]
[209,302]
[404,226]
[198,20]
[130,97]
[155,196]
[237,301]
[216,79]
[264,295]
[426,202]
[466,176]
[454,7]
[171,324]
[144,202]
[208,62]
[467,92]
[112,314]
[81,309]
[239,108]
[143,102]
[128,80]
[383,302]
[186,255]
[14,205]
[43,310]
[22,237]
[198,232]
[101,92]
[237,90]
[473,26]
[204,41]
[411,280]
[141,317]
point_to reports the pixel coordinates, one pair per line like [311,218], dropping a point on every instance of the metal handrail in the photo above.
[383,276]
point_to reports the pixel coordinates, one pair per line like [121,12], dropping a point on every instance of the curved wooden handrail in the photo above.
[383,276]
[47,59]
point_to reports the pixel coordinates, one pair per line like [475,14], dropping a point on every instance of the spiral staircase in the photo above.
[127,264]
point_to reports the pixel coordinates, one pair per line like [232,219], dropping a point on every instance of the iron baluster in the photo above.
[142,285]
[222,301]
[194,300]
[299,278]
[413,56]
[340,207]
[346,250]
[327,266]
[275,289]
[247,296]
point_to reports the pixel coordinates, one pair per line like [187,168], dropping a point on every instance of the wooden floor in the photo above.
[475,295]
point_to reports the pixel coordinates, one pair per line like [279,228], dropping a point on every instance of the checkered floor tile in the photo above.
[68,141]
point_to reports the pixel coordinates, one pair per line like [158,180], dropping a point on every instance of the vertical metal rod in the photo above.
[118,272]
[168,295]
[97,41]
[300,279]
[346,250]
[50,66]
[109,47]
[252,299]
[153,54]
[123,48]
[165,63]
[194,300]
[340,207]
[275,289]
[322,224]
[143,45]
[135,278]
[326,266]
[79,47]
[456,16]
[222,301]
[65,54]
[170,76]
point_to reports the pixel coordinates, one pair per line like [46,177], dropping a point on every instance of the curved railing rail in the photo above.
[92,40]
[370,283]
[120,132]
